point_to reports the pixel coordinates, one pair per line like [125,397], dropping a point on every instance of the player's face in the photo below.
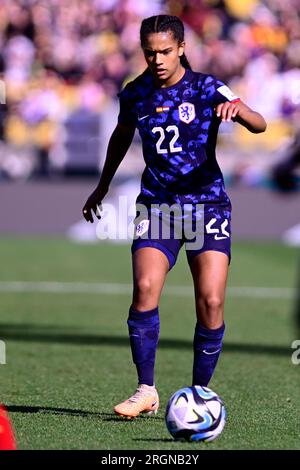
[162,53]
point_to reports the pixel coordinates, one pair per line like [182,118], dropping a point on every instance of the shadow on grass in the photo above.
[53,334]
[70,412]
[156,440]
[52,410]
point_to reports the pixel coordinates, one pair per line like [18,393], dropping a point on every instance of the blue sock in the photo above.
[207,348]
[144,333]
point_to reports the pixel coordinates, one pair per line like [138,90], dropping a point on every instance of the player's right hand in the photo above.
[93,204]
[229,110]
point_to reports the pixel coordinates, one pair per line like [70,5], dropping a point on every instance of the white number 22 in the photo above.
[162,137]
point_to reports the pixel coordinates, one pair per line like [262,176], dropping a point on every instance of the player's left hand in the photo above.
[228,110]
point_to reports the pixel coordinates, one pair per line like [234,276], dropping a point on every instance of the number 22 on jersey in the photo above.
[162,136]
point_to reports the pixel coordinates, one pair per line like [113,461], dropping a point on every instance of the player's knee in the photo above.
[211,305]
[214,303]
[143,288]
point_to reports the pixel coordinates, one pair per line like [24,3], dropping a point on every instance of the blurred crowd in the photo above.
[62,63]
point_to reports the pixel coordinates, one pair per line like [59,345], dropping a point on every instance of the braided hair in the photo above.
[161,24]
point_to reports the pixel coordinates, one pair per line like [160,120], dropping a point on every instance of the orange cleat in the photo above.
[145,400]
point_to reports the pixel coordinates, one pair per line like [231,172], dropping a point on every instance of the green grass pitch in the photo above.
[68,360]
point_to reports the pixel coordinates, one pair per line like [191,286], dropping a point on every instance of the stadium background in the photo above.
[64,295]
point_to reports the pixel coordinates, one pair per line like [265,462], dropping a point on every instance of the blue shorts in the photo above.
[200,227]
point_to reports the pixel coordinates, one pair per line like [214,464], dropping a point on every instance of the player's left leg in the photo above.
[209,270]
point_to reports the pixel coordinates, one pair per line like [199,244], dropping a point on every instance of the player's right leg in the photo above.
[150,267]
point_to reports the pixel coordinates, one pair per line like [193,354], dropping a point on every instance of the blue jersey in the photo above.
[178,127]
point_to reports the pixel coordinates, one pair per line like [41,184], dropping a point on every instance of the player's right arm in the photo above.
[229,107]
[119,143]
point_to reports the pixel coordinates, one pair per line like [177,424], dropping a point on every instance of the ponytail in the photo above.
[184,62]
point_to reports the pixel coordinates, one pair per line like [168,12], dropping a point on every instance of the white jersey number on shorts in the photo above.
[224,232]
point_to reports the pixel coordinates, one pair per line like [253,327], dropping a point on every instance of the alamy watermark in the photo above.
[2,353]
[296,354]
[157,222]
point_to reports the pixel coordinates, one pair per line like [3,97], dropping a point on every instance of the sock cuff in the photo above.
[137,315]
[216,333]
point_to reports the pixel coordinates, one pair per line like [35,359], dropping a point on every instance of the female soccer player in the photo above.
[177,112]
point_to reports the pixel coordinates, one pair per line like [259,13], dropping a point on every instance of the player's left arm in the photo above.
[239,112]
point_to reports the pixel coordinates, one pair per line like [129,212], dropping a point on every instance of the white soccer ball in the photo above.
[195,414]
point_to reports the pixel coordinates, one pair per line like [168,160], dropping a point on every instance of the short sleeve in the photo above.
[126,113]
[217,91]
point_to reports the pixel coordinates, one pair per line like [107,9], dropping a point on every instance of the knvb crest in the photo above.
[142,228]
[186,112]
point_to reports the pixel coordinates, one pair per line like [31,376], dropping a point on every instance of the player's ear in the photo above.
[181,47]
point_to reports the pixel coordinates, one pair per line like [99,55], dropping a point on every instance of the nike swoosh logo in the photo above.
[143,117]
[219,238]
[211,352]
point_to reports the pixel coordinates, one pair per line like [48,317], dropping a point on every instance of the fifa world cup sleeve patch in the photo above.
[142,228]
[225,91]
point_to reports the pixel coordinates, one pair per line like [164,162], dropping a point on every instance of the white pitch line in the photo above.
[125,289]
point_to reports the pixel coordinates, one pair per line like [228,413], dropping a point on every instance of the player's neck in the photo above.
[175,78]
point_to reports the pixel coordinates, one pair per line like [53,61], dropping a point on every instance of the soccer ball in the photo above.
[195,414]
